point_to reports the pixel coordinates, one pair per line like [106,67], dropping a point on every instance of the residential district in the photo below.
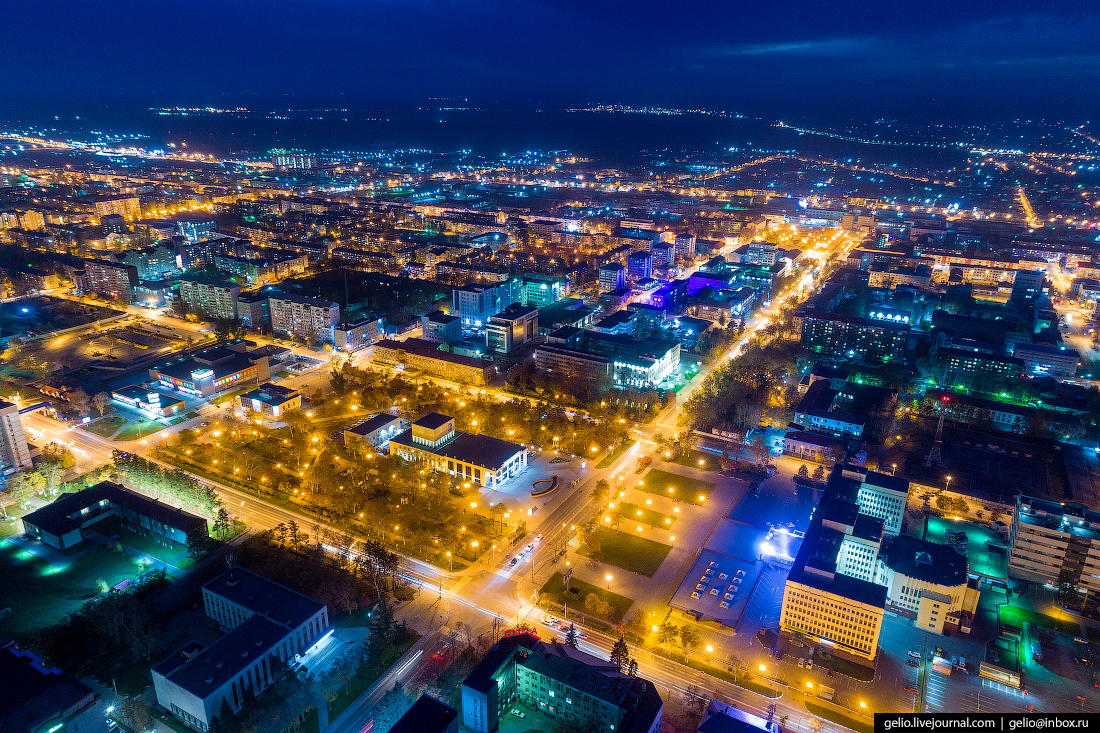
[431,442]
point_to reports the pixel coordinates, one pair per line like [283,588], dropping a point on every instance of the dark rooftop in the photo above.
[481,678]
[64,514]
[264,597]
[371,424]
[924,560]
[432,420]
[478,450]
[33,694]
[427,715]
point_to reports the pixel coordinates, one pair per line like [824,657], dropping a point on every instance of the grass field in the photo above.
[824,712]
[635,513]
[1015,616]
[688,490]
[614,455]
[175,555]
[40,594]
[629,552]
[698,459]
[140,429]
[554,591]
[106,427]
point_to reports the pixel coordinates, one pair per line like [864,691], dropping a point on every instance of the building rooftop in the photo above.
[33,695]
[201,671]
[221,361]
[924,560]
[264,597]
[432,421]
[66,512]
[427,715]
[481,678]
[515,311]
[371,424]
[478,450]
[420,347]
[271,394]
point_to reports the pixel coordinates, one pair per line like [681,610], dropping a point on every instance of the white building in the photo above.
[14,453]
[303,317]
[269,627]
[481,460]
[927,582]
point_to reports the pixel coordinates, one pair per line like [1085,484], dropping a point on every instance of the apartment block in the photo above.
[14,453]
[210,297]
[303,317]
[1055,543]
[113,279]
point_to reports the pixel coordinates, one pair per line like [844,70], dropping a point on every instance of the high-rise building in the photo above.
[210,297]
[1056,543]
[195,228]
[851,338]
[612,277]
[513,327]
[113,279]
[639,265]
[542,290]
[124,205]
[476,304]
[293,160]
[684,247]
[14,453]
[303,317]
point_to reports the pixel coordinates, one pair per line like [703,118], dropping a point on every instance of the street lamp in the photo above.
[895,469]
[948,487]
[452,562]
[608,579]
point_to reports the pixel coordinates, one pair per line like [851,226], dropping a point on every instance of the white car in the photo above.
[538,538]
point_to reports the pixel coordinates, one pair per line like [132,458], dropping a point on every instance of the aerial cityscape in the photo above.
[378,368]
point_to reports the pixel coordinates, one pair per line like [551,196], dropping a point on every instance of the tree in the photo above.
[600,491]
[196,541]
[22,486]
[80,400]
[597,606]
[803,471]
[667,634]
[819,473]
[944,503]
[689,639]
[590,536]
[620,653]
[101,400]
[632,667]
[222,523]
[571,637]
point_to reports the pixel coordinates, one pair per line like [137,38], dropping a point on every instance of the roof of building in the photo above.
[516,311]
[924,560]
[137,392]
[371,424]
[212,281]
[477,450]
[221,361]
[302,300]
[427,715]
[722,718]
[264,597]
[432,420]
[481,677]
[271,394]
[441,317]
[32,694]
[64,514]
[202,671]
[420,347]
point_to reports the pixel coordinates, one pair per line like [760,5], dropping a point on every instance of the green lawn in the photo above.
[105,427]
[175,555]
[1015,616]
[635,513]
[615,454]
[554,592]
[829,714]
[629,552]
[688,490]
[698,459]
[40,594]
[141,428]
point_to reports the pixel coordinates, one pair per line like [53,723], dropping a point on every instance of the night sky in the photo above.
[1015,57]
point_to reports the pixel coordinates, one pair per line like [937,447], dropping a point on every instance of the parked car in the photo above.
[809,664]
[518,713]
[913,663]
[915,655]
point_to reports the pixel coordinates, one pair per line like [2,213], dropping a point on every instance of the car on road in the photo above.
[911,690]
[809,664]
[439,655]
[913,663]
[514,561]
[518,713]
[538,538]
[529,548]
[582,635]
